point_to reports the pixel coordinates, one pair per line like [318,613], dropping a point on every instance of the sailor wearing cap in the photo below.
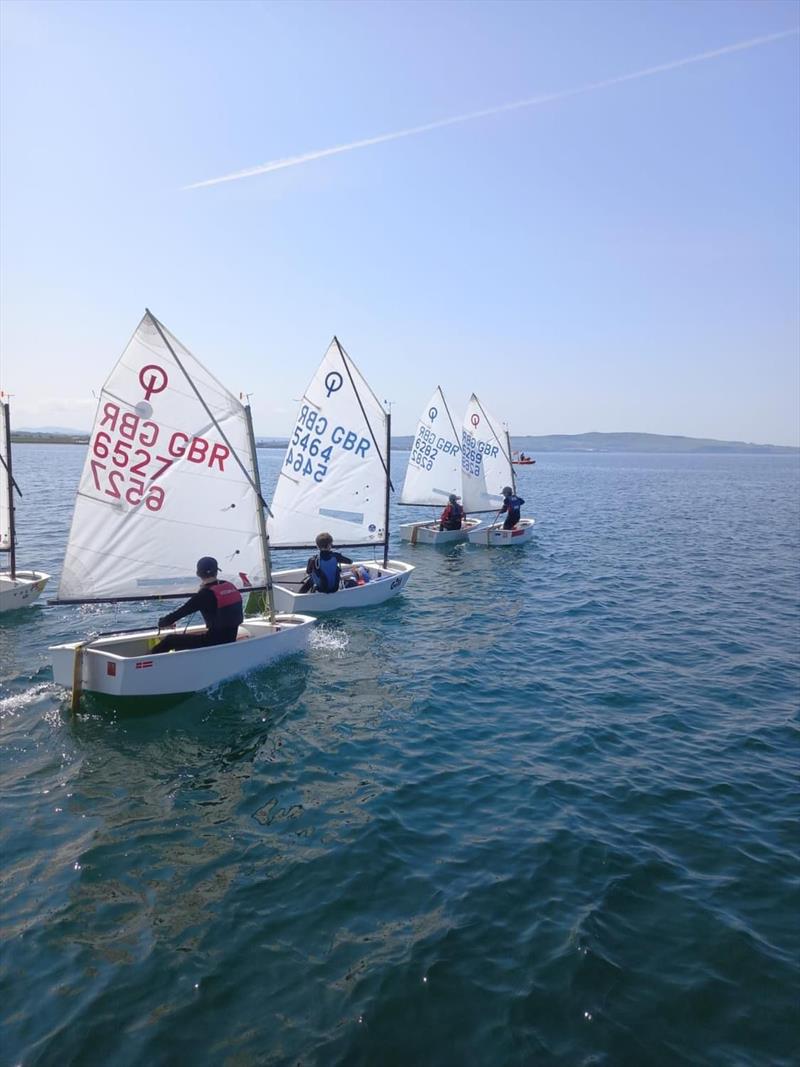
[220,604]
[511,506]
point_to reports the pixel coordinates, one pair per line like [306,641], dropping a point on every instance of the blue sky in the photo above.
[623,260]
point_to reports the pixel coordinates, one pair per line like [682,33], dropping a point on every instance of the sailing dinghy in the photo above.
[17,588]
[485,468]
[335,478]
[433,473]
[171,475]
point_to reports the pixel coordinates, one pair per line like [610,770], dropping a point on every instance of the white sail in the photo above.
[334,474]
[168,478]
[5,483]
[434,467]
[485,463]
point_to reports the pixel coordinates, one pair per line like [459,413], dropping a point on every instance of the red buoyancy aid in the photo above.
[452,513]
[230,611]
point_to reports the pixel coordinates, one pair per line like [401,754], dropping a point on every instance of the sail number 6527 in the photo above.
[112,483]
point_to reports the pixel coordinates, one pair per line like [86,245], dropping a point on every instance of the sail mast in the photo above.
[262,526]
[360,404]
[511,462]
[206,408]
[388,485]
[456,435]
[494,432]
[10,487]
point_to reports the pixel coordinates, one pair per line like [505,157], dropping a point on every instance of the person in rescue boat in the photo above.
[453,514]
[322,570]
[220,604]
[511,506]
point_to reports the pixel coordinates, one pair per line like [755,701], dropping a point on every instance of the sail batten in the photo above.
[434,467]
[334,469]
[169,477]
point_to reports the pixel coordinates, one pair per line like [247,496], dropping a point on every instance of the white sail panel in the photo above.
[161,485]
[333,476]
[5,483]
[434,467]
[485,464]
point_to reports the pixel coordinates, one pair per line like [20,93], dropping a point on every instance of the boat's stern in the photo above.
[21,590]
[62,658]
[495,536]
[124,665]
[385,583]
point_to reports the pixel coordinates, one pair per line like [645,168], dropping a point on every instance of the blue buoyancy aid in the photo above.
[325,572]
[230,611]
[512,505]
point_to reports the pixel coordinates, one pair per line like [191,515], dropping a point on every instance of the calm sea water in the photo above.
[542,809]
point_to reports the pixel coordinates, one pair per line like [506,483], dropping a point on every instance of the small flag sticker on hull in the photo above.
[144,663]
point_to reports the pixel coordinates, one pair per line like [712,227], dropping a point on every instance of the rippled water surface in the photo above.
[542,809]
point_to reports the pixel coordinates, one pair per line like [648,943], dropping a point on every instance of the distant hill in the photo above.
[639,442]
[49,437]
[56,431]
[559,442]
[627,442]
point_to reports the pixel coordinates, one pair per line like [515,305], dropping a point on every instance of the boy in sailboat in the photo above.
[511,506]
[220,604]
[322,570]
[453,515]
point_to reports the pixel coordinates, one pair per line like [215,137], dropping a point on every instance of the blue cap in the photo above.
[207,567]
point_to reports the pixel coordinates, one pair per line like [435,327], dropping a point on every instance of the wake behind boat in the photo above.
[18,588]
[433,475]
[171,471]
[335,479]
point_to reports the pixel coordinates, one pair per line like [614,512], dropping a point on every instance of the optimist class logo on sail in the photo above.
[130,452]
[157,375]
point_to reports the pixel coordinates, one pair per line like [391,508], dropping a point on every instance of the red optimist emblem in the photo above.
[153,379]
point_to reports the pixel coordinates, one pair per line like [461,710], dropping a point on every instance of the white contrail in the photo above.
[293,161]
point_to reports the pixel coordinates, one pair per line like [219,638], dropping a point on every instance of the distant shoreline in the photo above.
[639,443]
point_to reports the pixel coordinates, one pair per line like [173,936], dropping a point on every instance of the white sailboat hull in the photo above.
[22,589]
[428,533]
[123,665]
[386,582]
[495,536]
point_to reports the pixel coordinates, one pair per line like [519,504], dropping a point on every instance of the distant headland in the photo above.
[640,442]
[559,442]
